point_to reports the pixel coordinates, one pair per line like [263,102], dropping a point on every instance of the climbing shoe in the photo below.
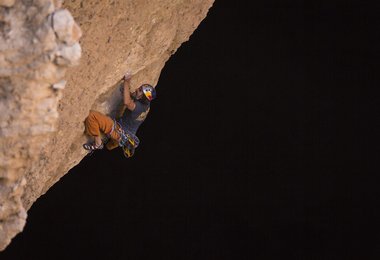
[92,147]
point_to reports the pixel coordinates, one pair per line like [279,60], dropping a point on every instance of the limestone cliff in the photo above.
[57,61]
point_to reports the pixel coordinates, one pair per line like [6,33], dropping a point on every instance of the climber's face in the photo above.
[139,93]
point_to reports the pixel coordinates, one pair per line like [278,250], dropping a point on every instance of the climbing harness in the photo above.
[127,140]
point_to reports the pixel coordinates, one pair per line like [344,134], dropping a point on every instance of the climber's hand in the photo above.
[127,76]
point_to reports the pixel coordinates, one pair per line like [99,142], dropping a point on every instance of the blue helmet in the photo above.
[149,91]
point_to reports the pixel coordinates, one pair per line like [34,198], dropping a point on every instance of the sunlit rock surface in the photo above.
[57,61]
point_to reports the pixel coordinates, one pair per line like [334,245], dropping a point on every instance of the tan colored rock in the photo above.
[65,27]
[28,103]
[68,55]
[59,85]
[58,3]
[41,114]
[7,3]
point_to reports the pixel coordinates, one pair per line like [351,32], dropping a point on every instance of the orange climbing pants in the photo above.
[97,123]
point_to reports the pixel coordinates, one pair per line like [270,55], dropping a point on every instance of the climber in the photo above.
[121,131]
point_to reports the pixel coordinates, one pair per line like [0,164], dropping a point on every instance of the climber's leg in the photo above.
[114,138]
[96,123]
[112,144]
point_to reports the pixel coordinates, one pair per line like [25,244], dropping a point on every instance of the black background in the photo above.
[260,145]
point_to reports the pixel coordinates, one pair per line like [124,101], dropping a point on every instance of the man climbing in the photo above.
[121,132]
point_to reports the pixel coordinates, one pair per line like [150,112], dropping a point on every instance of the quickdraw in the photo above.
[128,141]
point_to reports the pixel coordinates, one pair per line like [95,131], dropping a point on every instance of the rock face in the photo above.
[44,98]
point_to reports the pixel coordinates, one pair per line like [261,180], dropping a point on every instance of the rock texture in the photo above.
[44,99]
[34,55]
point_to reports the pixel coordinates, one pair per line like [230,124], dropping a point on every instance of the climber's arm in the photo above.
[121,110]
[128,102]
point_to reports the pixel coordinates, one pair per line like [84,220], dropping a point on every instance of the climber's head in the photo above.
[145,93]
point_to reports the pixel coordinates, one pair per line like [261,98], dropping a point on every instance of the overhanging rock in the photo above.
[57,61]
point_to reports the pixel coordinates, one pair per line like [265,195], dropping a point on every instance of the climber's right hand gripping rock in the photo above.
[127,76]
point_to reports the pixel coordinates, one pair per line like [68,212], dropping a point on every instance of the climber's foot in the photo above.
[92,147]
